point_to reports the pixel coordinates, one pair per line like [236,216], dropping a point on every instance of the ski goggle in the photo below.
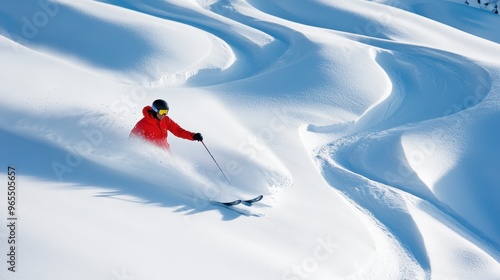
[163,112]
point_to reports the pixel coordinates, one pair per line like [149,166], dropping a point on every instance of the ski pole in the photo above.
[215,161]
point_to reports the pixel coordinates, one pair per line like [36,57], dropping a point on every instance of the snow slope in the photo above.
[371,127]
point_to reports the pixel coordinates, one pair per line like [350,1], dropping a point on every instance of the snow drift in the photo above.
[371,127]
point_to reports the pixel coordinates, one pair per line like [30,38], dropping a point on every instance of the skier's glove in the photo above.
[197,137]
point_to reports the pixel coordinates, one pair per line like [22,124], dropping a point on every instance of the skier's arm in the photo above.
[180,132]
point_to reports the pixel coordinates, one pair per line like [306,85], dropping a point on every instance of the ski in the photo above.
[235,206]
[230,203]
[248,202]
[253,200]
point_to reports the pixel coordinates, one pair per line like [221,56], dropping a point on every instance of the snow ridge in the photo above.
[371,128]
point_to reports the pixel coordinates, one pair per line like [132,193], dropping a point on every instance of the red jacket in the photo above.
[155,131]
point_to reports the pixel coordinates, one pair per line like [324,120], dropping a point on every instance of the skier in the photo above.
[155,125]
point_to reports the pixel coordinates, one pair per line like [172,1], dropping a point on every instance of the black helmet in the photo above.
[160,104]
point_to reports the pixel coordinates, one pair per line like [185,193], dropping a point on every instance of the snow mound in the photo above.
[370,127]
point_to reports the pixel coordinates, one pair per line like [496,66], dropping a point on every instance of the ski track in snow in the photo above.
[410,116]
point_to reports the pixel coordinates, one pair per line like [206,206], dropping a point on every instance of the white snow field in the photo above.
[371,127]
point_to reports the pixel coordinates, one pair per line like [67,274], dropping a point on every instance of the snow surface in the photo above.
[371,127]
